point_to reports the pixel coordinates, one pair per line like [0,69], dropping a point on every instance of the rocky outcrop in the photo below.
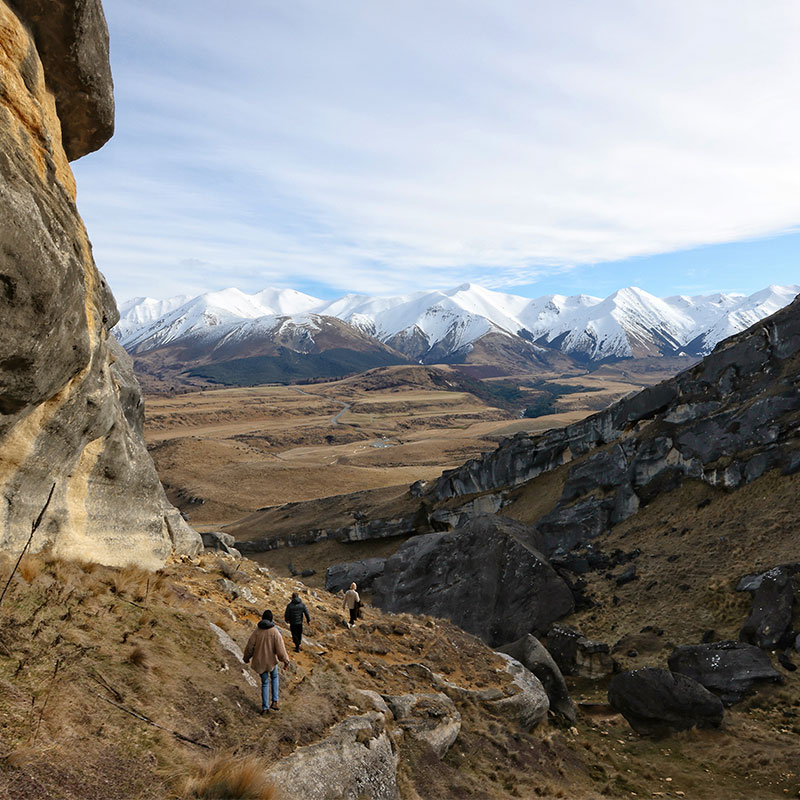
[529,704]
[731,670]
[486,577]
[530,652]
[217,540]
[430,718]
[656,702]
[363,573]
[725,421]
[72,41]
[356,760]
[577,655]
[770,620]
[70,407]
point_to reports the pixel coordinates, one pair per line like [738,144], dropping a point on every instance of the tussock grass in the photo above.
[227,777]
[139,657]
[31,567]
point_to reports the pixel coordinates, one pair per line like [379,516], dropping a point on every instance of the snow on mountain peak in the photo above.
[629,322]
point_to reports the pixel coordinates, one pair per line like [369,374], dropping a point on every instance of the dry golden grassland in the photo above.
[112,685]
[224,453]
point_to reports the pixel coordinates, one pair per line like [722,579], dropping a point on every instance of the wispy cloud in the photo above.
[384,146]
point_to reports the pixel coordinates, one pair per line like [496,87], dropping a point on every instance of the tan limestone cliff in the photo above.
[70,408]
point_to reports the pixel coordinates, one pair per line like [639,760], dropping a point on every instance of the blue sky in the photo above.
[532,147]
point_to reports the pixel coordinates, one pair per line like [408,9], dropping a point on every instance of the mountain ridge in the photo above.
[435,326]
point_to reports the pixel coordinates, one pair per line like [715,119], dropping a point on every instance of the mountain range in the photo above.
[282,334]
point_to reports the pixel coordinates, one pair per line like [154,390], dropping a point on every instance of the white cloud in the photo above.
[381,146]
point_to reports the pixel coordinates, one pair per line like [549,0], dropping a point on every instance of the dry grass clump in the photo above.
[31,567]
[228,777]
[139,657]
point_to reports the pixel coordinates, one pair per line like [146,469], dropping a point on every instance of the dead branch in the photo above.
[34,526]
[143,718]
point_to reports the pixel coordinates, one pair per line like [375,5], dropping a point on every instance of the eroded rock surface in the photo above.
[725,421]
[431,718]
[531,653]
[356,761]
[70,408]
[657,702]
[770,618]
[486,577]
[729,669]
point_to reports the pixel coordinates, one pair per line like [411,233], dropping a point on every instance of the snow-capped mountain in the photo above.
[437,325]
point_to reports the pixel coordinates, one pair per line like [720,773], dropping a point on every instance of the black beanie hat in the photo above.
[267,615]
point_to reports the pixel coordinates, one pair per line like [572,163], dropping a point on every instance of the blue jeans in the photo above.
[269,678]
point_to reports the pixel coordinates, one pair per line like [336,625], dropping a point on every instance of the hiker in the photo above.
[294,614]
[353,602]
[265,646]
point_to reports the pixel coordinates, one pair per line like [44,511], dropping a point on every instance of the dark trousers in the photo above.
[297,634]
[353,615]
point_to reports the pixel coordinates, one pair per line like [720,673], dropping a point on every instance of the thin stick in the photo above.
[34,526]
[143,718]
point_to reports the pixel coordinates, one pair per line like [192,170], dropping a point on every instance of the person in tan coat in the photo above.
[352,602]
[265,646]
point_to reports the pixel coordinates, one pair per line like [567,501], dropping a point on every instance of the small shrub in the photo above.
[228,776]
[139,658]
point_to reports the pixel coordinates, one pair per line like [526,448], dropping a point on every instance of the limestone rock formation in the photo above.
[486,577]
[725,421]
[770,618]
[729,669]
[363,573]
[577,655]
[356,760]
[530,652]
[70,407]
[530,703]
[431,718]
[656,702]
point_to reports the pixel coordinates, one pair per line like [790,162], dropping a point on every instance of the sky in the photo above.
[529,146]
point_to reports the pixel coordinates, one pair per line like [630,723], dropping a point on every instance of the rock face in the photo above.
[770,618]
[431,718]
[363,573]
[485,577]
[577,655]
[70,408]
[729,669]
[530,703]
[530,652]
[656,702]
[72,40]
[725,421]
[357,760]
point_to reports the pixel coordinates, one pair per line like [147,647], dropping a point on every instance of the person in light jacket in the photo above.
[294,614]
[265,646]
[352,602]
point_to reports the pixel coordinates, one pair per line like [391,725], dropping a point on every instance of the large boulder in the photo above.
[657,702]
[430,718]
[770,617]
[529,703]
[363,573]
[357,760]
[531,653]
[485,577]
[577,655]
[70,408]
[729,669]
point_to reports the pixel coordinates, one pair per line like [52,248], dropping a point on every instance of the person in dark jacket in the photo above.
[294,614]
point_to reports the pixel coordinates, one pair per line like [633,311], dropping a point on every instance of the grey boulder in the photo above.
[430,718]
[729,669]
[771,614]
[532,654]
[577,655]
[363,573]
[485,577]
[657,702]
